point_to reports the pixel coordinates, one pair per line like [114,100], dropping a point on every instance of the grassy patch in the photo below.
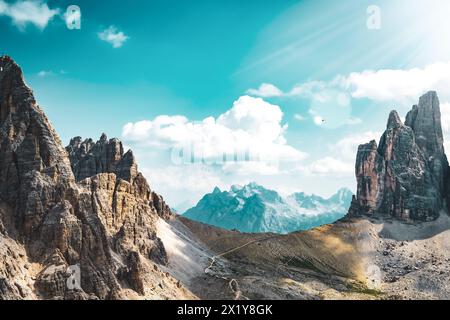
[300,263]
[361,288]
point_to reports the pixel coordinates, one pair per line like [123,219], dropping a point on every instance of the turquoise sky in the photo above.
[195,58]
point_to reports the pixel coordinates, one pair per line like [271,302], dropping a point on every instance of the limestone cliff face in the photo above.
[369,165]
[107,156]
[99,218]
[405,175]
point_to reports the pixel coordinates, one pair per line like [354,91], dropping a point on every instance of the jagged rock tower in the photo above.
[405,176]
[100,220]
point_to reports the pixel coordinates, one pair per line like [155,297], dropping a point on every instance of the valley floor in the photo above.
[415,259]
[351,259]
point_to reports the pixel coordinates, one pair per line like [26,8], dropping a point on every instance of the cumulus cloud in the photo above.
[251,130]
[24,12]
[347,147]
[266,90]
[197,178]
[385,85]
[113,36]
[399,85]
[183,186]
[328,165]
[307,89]
[249,168]
[330,106]
[389,85]
[342,156]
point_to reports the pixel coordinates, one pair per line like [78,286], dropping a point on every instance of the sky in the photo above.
[216,93]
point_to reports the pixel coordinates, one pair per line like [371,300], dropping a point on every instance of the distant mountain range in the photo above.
[253,208]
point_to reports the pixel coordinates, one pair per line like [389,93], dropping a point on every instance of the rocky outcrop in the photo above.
[425,120]
[89,159]
[86,233]
[404,176]
[104,156]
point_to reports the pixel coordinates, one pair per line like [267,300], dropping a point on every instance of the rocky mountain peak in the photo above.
[13,88]
[394,120]
[9,68]
[342,194]
[127,167]
[88,158]
[425,120]
[99,218]
[30,148]
[405,176]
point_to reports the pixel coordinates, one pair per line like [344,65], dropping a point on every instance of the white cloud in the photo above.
[307,89]
[392,85]
[330,107]
[397,85]
[354,120]
[347,147]
[45,73]
[113,36]
[183,186]
[330,102]
[266,90]
[250,131]
[250,168]
[386,85]
[196,178]
[299,117]
[327,166]
[342,156]
[24,12]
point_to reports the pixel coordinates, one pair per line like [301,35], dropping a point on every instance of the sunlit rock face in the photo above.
[405,176]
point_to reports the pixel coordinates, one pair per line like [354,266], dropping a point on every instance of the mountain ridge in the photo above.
[55,219]
[253,208]
[52,224]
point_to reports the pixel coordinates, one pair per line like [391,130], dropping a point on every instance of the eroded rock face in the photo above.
[405,175]
[104,156]
[425,120]
[89,159]
[100,219]
[369,165]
